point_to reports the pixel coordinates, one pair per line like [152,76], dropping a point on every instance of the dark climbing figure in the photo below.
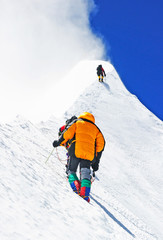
[100,73]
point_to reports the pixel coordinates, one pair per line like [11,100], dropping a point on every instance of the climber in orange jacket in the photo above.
[86,146]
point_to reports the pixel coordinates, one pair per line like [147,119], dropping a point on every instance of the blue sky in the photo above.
[133,35]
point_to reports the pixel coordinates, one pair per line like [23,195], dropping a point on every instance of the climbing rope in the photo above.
[61,160]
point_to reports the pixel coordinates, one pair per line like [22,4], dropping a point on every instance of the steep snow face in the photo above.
[131,167]
[36,200]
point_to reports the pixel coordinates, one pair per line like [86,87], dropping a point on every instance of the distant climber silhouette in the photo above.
[100,73]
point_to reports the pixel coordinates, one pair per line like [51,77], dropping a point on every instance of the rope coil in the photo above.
[61,160]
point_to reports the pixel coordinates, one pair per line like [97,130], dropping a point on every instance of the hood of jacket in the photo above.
[87,116]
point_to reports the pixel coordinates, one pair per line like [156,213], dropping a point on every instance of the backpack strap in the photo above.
[86,120]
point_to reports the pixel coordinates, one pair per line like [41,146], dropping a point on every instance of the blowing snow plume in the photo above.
[40,41]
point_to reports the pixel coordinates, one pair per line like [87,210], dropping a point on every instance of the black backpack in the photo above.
[67,125]
[70,121]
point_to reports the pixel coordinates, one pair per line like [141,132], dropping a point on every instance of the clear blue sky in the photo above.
[133,34]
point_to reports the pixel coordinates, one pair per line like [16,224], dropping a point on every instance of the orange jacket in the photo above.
[87,139]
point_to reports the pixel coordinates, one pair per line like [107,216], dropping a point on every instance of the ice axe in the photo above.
[93,177]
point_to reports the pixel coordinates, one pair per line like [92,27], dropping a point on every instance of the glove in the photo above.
[55,143]
[95,166]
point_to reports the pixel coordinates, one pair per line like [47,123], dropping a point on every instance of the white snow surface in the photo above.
[36,201]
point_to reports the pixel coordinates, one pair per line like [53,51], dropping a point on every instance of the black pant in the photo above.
[100,74]
[82,163]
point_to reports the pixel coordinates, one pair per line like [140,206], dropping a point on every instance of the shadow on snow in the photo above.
[106,85]
[112,216]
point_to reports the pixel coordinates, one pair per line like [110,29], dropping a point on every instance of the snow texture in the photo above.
[36,201]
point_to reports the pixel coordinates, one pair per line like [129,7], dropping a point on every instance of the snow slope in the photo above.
[36,201]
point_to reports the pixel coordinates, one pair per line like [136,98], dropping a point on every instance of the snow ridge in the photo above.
[36,200]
